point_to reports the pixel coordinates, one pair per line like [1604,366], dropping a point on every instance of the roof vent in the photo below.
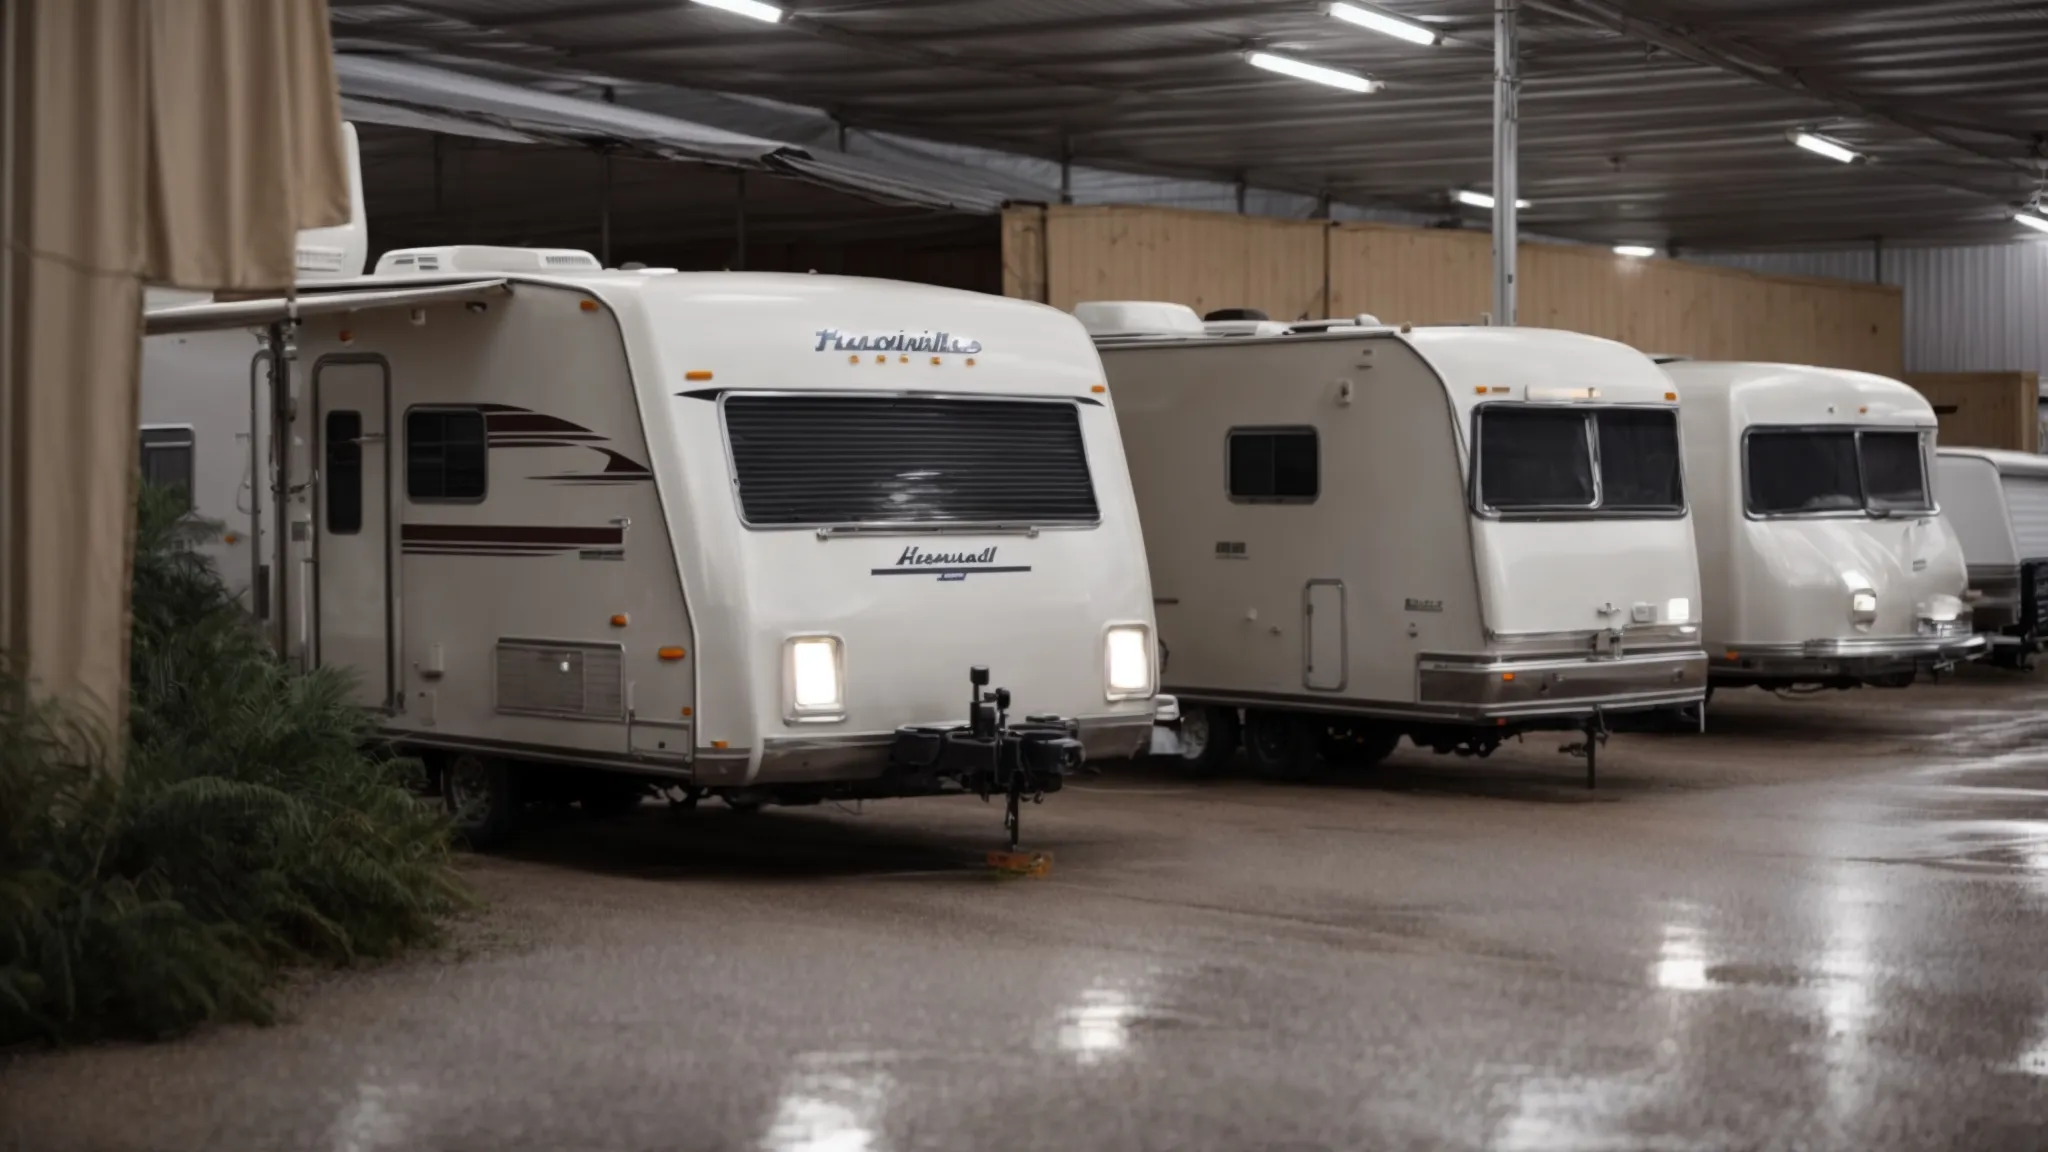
[1235,314]
[1246,327]
[1126,318]
[465,258]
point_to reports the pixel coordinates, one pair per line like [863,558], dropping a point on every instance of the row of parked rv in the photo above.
[769,537]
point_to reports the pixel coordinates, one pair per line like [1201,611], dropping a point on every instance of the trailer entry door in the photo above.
[1323,656]
[352,606]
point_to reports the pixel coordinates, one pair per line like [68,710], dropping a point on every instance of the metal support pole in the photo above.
[1507,83]
[1877,260]
[280,492]
[1066,172]
[740,221]
[604,207]
[1240,196]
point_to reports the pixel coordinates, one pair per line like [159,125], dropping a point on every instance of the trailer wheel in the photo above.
[482,797]
[1208,739]
[1359,745]
[1280,745]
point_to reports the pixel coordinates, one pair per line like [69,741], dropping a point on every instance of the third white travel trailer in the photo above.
[1358,533]
[1823,556]
[1997,502]
[743,533]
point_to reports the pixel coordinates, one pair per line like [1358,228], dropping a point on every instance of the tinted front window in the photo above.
[1894,475]
[1803,472]
[1640,468]
[1534,458]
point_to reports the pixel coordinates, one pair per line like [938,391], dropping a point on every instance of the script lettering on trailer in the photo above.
[834,340]
[947,566]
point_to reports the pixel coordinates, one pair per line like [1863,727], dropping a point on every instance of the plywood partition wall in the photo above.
[1296,268]
[1984,409]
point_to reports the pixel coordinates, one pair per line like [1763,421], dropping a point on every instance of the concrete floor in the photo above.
[1821,926]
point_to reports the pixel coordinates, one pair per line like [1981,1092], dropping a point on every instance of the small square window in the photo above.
[446,454]
[167,459]
[1278,465]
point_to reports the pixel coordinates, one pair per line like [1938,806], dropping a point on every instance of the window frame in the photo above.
[1475,501]
[406,426]
[190,444]
[1315,434]
[1921,432]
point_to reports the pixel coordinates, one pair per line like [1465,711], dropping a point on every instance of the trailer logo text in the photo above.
[832,339]
[916,561]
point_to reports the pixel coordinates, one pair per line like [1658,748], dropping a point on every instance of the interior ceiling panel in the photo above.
[1656,121]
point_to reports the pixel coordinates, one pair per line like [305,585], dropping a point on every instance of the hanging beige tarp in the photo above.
[180,142]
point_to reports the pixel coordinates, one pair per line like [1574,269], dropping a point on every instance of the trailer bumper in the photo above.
[1489,689]
[1845,663]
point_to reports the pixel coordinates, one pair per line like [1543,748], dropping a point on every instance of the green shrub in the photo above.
[255,826]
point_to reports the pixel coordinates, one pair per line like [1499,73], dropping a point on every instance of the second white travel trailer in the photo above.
[760,536]
[1824,557]
[1997,502]
[1358,533]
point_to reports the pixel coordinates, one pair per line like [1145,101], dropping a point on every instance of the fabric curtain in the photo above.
[178,142]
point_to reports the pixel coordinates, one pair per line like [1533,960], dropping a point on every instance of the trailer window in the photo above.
[824,461]
[1280,465]
[1640,468]
[1803,471]
[445,455]
[1894,472]
[341,473]
[1534,458]
[167,459]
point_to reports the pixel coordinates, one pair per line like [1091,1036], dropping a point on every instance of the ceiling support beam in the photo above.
[1507,86]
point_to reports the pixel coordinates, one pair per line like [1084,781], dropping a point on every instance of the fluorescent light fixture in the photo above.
[2034,220]
[768,13]
[1822,146]
[1314,73]
[1637,250]
[1374,20]
[1481,199]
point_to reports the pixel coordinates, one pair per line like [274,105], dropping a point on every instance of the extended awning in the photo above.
[257,313]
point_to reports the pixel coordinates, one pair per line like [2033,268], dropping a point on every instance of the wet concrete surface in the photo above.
[1819,926]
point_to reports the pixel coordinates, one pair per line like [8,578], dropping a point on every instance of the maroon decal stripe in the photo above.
[513,535]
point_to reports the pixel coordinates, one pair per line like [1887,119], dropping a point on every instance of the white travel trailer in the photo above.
[1358,533]
[1823,556]
[1997,502]
[746,534]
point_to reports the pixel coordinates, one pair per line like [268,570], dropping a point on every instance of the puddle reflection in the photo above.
[1681,960]
[1099,1026]
[830,1105]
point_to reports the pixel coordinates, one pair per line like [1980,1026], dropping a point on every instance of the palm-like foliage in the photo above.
[255,826]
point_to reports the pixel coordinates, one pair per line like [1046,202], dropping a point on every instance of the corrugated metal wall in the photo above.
[1978,309]
[1293,269]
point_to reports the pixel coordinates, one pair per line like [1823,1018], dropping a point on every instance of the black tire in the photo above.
[1215,732]
[1282,746]
[608,797]
[483,799]
[1360,744]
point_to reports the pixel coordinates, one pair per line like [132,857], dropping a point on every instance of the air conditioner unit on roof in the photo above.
[1138,318]
[466,258]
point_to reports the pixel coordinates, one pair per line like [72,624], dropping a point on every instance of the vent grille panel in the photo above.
[561,678]
[832,460]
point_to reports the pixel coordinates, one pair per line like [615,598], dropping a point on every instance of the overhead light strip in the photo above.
[1314,73]
[1386,24]
[1635,250]
[2036,219]
[1480,199]
[1822,146]
[766,13]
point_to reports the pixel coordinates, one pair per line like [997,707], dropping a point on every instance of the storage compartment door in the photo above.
[1324,659]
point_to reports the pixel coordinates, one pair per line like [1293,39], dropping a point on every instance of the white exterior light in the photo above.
[815,668]
[1374,20]
[1127,661]
[1480,199]
[1636,250]
[1863,606]
[1822,146]
[767,13]
[2034,220]
[1678,610]
[1314,73]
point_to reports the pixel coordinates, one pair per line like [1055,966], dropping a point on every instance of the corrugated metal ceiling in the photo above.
[1642,120]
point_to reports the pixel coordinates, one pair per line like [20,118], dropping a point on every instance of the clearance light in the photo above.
[1374,20]
[1128,660]
[766,13]
[1822,146]
[1314,73]
[1637,251]
[2034,220]
[1480,199]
